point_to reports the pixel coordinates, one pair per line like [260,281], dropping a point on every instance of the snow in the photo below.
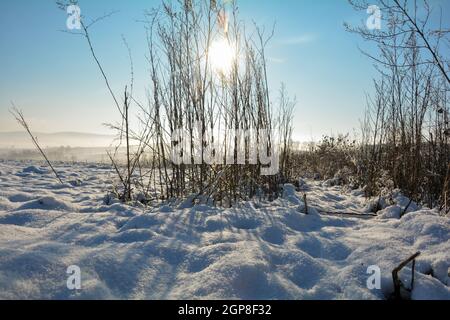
[391,212]
[257,250]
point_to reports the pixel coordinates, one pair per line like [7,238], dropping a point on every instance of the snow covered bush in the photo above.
[332,158]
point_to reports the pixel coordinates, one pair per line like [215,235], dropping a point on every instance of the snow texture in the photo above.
[258,250]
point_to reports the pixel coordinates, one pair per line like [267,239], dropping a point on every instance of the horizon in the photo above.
[84,140]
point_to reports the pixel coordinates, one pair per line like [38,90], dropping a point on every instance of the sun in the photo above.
[222,55]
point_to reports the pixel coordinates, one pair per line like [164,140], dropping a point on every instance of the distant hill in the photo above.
[21,140]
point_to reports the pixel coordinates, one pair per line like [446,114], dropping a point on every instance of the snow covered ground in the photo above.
[260,250]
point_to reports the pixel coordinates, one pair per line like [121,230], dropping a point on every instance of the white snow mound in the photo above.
[257,250]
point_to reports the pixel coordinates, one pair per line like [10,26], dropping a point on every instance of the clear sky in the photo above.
[51,76]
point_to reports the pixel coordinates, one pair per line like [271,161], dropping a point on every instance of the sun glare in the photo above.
[222,55]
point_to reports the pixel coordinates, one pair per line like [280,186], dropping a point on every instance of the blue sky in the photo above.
[51,76]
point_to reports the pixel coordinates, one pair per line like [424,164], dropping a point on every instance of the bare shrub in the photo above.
[406,128]
[191,104]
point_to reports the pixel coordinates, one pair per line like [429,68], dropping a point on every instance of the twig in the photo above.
[397,282]
[18,115]
[406,208]
[306,203]
[355,214]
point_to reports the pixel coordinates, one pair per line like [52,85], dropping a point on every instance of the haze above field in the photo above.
[21,140]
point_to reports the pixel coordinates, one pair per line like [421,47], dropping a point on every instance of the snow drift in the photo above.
[258,250]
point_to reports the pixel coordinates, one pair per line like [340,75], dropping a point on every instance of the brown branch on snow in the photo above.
[397,282]
[306,203]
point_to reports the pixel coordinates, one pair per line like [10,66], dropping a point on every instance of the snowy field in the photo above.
[260,250]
